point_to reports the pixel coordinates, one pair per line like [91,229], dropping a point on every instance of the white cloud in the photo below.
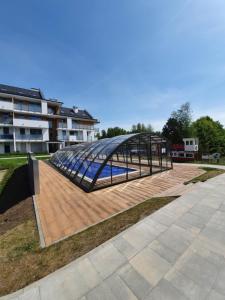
[217,114]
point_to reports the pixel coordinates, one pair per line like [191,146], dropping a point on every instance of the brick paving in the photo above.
[65,209]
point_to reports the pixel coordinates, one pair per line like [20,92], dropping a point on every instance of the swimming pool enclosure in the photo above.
[110,161]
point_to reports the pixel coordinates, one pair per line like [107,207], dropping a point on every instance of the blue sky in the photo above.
[123,60]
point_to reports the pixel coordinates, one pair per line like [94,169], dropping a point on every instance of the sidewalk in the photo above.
[176,253]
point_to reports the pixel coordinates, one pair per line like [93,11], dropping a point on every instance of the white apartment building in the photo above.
[29,122]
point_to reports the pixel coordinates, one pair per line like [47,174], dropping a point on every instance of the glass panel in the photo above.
[110,161]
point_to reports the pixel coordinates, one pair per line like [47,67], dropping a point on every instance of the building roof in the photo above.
[75,113]
[37,94]
[31,93]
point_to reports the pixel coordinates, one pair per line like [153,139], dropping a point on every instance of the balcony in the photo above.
[62,125]
[6,105]
[70,138]
[30,123]
[62,138]
[81,126]
[6,121]
[6,136]
[27,107]
[29,137]
[75,138]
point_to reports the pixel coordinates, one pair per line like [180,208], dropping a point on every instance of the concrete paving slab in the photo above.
[165,291]
[193,220]
[219,285]
[137,283]
[124,247]
[200,270]
[187,286]
[140,236]
[165,252]
[176,238]
[213,295]
[101,292]
[107,259]
[150,265]
[33,294]
[119,288]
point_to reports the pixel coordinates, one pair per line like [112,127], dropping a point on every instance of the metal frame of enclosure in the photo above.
[110,161]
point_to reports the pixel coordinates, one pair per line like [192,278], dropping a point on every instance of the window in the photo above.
[191,142]
[5,99]
[22,131]
[34,118]
[187,143]
[181,154]
[35,107]
[36,131]
[50,110]
[72,133]
[189,155]
[5,130]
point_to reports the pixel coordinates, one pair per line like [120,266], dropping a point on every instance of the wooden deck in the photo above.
[65,209]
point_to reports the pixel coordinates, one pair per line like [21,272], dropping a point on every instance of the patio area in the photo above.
[64,209]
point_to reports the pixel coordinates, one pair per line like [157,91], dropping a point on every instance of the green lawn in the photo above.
[11,165]
[209,173]
[18,154]
[221,161]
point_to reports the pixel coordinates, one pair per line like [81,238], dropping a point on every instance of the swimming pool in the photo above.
[93,168]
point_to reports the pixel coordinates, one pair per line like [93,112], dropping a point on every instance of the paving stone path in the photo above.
[176,253]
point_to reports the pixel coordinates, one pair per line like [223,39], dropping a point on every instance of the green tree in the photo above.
[178,126]
[114,131]
[103,134]
[140,127]
[211,135]
[172,130]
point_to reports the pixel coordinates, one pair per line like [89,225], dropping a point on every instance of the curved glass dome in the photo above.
[113,160]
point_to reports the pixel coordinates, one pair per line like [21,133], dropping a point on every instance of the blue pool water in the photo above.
[94,167]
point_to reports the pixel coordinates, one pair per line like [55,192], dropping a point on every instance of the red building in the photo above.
[188,151]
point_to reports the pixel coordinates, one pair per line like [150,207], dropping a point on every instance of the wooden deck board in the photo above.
[65,209]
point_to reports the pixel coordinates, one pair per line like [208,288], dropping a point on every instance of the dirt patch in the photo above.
[16,215]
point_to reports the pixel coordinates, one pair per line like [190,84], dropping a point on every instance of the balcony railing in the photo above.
[6,105]
[63,137]
[33,137]
[30,123]
[6,136]
[62,125]
[6,121]
[71,138]
[81,126]
[30,108]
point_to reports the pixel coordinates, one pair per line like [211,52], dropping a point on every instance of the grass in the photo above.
[8,155]
[221,161]
[22,261]
[11,165]
[209,173]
